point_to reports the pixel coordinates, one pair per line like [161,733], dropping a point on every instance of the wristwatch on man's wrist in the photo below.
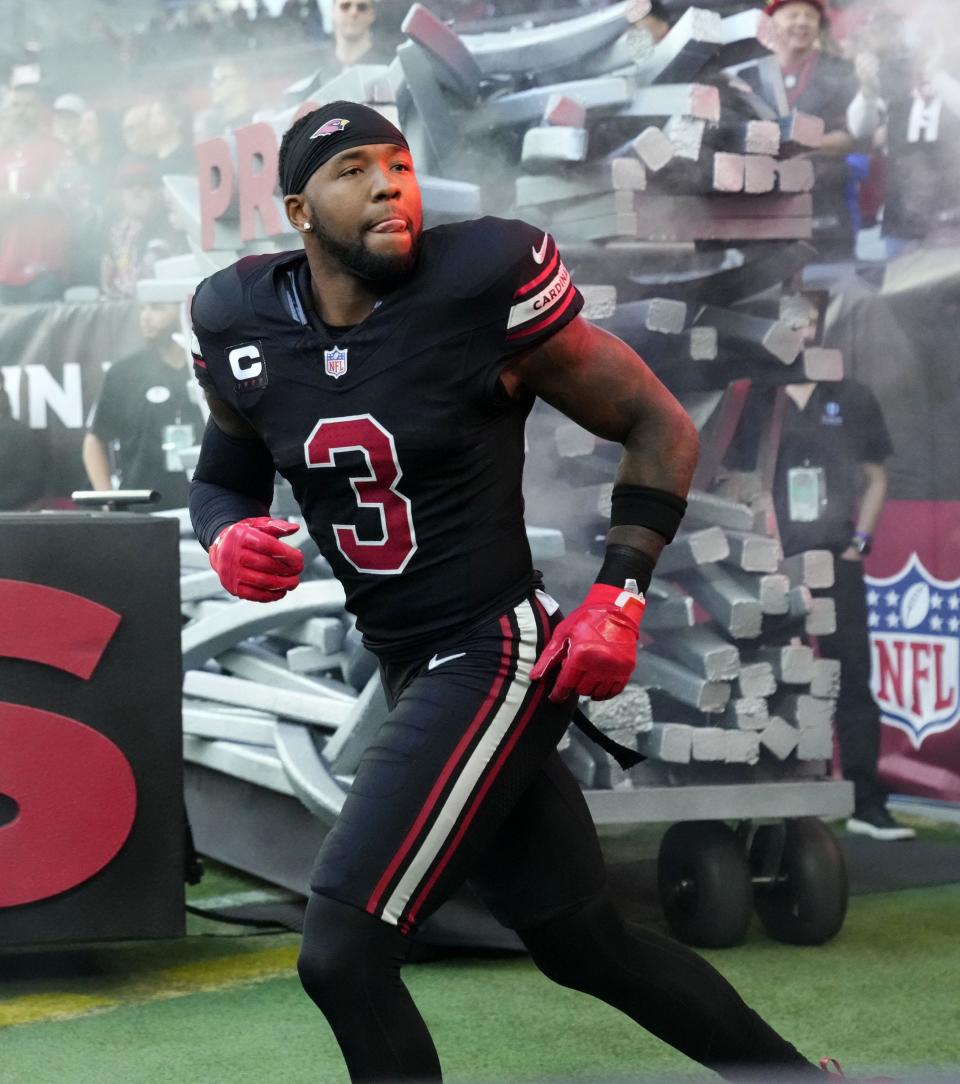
[862,543]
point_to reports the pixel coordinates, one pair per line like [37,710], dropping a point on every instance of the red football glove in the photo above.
[595,647]
[252,563]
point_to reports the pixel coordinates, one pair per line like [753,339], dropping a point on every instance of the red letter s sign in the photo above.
[73,787]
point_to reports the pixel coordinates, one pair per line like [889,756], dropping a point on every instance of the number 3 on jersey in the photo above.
[375,489]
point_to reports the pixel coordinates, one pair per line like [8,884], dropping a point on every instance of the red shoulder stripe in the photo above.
[545,274]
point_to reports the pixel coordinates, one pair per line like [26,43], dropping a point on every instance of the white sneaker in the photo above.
[877,823]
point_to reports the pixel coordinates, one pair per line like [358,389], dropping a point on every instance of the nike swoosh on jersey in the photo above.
[539,255]
[437,661]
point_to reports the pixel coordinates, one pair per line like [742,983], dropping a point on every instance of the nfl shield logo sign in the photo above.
[335,362]
[914,623]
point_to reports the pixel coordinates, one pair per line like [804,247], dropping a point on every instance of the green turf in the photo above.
[883,994]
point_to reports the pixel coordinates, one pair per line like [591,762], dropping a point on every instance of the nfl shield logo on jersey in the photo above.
[335,362]
[914,623]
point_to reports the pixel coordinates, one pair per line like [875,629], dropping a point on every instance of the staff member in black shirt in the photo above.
[144,412]
[828,491]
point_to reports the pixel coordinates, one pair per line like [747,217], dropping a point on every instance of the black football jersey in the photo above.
[402,450]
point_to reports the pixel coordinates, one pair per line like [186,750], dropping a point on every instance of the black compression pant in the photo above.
[350,966]
[529,848]
[350,961]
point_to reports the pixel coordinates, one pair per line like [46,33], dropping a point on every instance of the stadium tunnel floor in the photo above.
[223,1004]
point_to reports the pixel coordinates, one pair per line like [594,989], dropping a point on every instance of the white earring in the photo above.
[307,226]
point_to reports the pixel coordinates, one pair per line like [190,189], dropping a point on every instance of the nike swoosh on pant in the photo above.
[437,661]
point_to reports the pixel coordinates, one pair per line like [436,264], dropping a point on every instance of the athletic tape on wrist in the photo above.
[622,563]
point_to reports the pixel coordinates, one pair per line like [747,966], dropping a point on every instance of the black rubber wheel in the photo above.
[704,883]
[806,903]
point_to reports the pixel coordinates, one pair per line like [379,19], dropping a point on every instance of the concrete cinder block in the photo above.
[795,174]
[599,302]
[703,344]
[812,568]
[325,633]
[755,680]
[708,744]
[305,659]
[315,709]
[667,608]
[618,174]
[748,137]
[709,508]
[734,608]
[729,171]
[686,136]
[668,742]
[697,100]
[599,97]
[681,683]
[743,747]
[760,174]
[628,713]
[626,54]
[553,146]
[692,548]
[747,35]
[791,665]
[455,63]
[822,619]
[803,710]
[826,679]
[779,738]
[565,112]
[692,42]
[701,650]
[653,149]
[815,743]
[753,552]
[522,51]
[772,338]
[800,133]
[746,713]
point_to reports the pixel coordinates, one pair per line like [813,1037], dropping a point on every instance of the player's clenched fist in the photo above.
[253,563]
[595,647]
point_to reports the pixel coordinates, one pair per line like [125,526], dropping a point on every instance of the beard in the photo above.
[357,259]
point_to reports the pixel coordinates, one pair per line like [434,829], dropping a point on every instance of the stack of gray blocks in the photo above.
[711,152]
[722,680]
[712,686]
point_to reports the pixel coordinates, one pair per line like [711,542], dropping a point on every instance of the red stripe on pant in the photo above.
[506,749]
[411,916]
[478,721]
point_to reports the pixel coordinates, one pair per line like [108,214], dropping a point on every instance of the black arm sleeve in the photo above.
[233,481]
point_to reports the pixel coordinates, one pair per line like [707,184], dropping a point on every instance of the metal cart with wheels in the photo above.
[733,849]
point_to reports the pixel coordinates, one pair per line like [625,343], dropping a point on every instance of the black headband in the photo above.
[331,129]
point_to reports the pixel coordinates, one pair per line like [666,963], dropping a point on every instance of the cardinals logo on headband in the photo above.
[330,128]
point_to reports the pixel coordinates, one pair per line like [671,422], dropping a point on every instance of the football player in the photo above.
[387,372]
